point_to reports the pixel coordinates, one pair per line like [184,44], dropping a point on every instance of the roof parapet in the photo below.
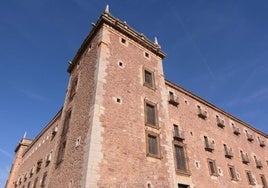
[124,28]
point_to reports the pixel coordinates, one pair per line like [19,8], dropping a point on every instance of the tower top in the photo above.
[108,19]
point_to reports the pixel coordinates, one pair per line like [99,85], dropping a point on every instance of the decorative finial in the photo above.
[155,40]
[24,136]
[107,9]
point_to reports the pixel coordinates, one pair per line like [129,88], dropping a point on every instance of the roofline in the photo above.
[43,131]
[186,92]
[123,27]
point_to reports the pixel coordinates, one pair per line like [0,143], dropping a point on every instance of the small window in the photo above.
[212,167]
[148,79]
[150,114]
[183,186]
[250,178]
[123,41]
[153,145]
[232,173]
[180,156]
[146,54]
[263,181]
[43,181]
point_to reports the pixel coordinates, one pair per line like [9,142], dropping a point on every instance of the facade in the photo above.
[124,125]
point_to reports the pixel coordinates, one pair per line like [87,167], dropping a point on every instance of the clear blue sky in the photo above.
[216,49]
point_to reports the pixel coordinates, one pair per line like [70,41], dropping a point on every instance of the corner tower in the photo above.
[114,112]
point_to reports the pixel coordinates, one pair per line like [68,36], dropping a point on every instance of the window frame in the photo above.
[157,136]
[263,181]
[73,88]
[185,171]
[148,84]
[250,178]
[213,162]
[232,172]
[156,124]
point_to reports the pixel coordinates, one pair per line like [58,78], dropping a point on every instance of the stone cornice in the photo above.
[122,27]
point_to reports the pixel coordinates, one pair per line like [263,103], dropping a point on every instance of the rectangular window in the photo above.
[250,178]
[149,79]
[209,145]
[66,123]
[212,167]
[232,173]
[29,185]
[35,182]
[176,130]
[150,114]
[63,138]
[73,88]
[153,145]
[183,186]
[152,141]
[263,181]
[180,156]
[43,182]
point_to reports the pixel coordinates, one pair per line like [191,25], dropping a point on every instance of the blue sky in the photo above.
[215,49]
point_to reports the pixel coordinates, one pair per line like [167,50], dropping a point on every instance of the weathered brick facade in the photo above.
[123,125]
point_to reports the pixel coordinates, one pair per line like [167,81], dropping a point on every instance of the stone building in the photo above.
[124,125]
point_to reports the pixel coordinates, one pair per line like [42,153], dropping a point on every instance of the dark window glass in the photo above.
[148,78]
[153,146]
[250,178]
[212,167]
[264,182]
[43,183]
[180,158]
[150,114]
[176,130]
[232,173]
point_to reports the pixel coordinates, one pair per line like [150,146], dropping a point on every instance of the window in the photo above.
[212,167]
[123,41]
[263,181]
[153,145]
[35,182]
[73,88]
[150,114]
[43,182]
[147,55]
[29,185]
[209,145]
[201,112]
[178,135]
[148,79]
[228,151]
[250,178]
[63,139]
[173,99]
[180,156]
[183,186]
[258,162]
[232,173]
[244,157]
[39,165]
